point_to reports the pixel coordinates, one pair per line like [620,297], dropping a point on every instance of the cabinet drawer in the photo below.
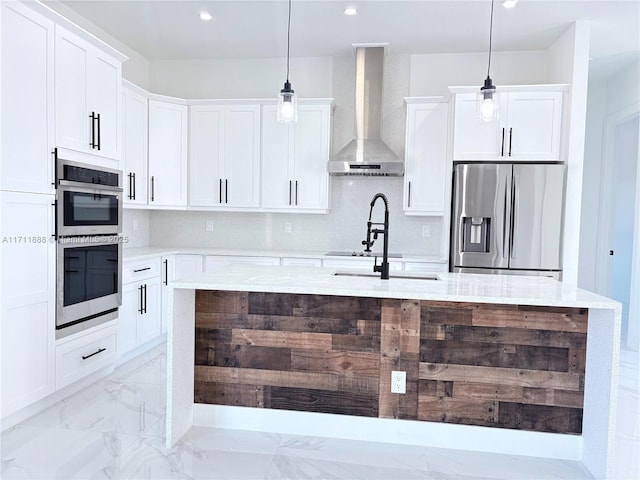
[135,270]
[81,356]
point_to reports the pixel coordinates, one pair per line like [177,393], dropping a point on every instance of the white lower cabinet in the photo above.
[27,299]
[140,314]
[77,357]
[359,263]
[213,262]
[301,262]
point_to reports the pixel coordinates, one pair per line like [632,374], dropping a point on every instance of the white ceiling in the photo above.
[169,29]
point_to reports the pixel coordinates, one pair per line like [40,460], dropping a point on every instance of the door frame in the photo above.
[605,222]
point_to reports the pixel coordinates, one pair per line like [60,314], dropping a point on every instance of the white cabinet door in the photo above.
[295,158]
[427,170]
[534,125]
[167,154]
[27,299]
[206,155]
[214,262]
[134,155]
[128,318]
[104,93]
[73,124]
[474,139]
[311,157]
[27,100]
[241,167]
[87,97]
[528,129]
[149,322]
[277,165]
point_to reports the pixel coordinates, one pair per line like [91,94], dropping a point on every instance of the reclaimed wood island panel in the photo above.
[508,364]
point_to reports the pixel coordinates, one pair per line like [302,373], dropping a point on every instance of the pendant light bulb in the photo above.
[487,98]
[287,109]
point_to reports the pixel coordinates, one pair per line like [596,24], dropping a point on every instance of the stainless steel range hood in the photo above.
[367,154]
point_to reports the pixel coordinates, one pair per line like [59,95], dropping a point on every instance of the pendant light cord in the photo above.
[490,38]
[289,35]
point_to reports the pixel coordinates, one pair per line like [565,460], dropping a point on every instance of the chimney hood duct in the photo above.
[367,154]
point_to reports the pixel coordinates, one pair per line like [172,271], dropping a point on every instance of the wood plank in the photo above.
[515,336]
[338,362]
[487,391]
[497,375]
[388,402]
[246,356]
[212,336]
[253,376]
[410,327]
[221,302]
[323,401]
[228,394]
[320,306]
[356,343]
[577,360]
[535,319]
[445,313]
[435,388]
[553,397]
[263,338]
[282,323]
[453,410]
[540,418]
[408,402]
[494,355]
[391,318]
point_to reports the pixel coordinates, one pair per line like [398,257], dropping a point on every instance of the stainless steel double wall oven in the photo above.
[89,245]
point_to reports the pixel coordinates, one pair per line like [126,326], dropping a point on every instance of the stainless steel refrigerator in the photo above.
[507,218]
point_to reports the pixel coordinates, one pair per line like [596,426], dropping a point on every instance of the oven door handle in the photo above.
[88,187]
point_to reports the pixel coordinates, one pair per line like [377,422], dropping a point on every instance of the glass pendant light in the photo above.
[487,98]
[287,111]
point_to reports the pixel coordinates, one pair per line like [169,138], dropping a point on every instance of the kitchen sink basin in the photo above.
[401,275]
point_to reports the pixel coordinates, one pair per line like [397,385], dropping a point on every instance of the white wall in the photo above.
[136,227]
[433,74]
[241,78]
[569,63]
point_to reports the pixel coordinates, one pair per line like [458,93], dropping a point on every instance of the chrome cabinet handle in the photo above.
[504,221]
[514,215]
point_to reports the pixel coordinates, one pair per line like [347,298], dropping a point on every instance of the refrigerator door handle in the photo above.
[504,220]
[515,200]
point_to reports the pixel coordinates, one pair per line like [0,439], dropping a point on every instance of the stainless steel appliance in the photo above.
[507,218]
[88,199]
[89,247]
[89,282]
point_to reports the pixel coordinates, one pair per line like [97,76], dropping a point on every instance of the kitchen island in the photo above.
[521,365]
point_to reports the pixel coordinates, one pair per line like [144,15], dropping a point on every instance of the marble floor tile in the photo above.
[55,453]
[115,429]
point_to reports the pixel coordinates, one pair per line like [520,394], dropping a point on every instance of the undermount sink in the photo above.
[404,276]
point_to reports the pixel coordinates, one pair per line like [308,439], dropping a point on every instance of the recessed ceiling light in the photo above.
[350,11]
[205,16]
[510,3]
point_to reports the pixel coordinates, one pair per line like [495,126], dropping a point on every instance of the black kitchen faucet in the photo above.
[383,268]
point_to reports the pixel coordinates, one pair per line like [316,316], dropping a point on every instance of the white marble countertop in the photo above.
[151,251]
[452,287]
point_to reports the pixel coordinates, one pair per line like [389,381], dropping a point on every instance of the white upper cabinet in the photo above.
[27,100]
[167,154]
[528,128]
[225,156]
[427,168]
[135,139]
[295,158]
[87,96]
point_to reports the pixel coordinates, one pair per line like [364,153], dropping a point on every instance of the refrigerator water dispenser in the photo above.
[476,232]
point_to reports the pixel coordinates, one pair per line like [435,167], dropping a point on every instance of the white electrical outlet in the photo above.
[287,227]
[208,226]
[398,382]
